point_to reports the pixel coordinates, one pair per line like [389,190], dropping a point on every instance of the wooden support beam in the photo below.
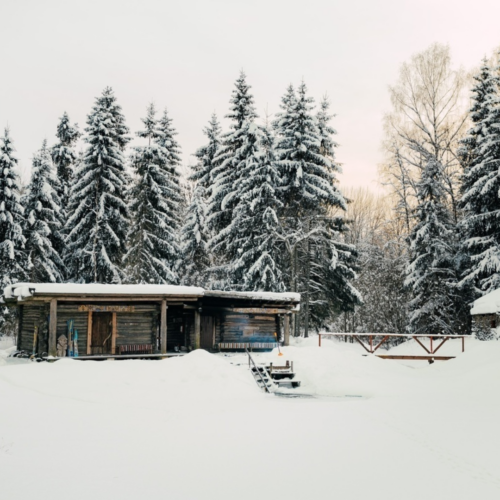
[381,342]
[422,345]
[444,340]
[53,328]
[130,299]
[89,333]
[286,331]
[113,334]
[197,328]
[362,343]
[163,326]
[255,310]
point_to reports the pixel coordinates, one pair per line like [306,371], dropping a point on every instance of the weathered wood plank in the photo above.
[89,333]
[105,308]
[163,326]
[180,299]
[113,334]
[197,329]
[255,310]
[416,358]
[53,328]
[286,328]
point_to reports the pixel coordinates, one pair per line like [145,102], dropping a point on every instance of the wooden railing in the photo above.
[374,343]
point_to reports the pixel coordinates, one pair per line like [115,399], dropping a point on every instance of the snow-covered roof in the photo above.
[25,290]
[488,304]
[283,297]
[22,291]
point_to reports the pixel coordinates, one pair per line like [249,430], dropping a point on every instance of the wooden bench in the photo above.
[136,349]
[234,346]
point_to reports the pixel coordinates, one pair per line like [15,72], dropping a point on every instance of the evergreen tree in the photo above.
[64,157]
[174,202]
[194,247]
[98,220]
[230,155]
[252,238]
[153,249]
[431,273]
[12,240]
[43,221]
[308,181]
[203,170]
[322,266]
[326,133]
[480,155]
[288,103]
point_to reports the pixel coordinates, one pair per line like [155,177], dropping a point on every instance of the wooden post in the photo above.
[286,330]
[89,334]
[319,339]
[197,322]
[432,349]
[463,344]
[163,327]
[53,328]
[113,334]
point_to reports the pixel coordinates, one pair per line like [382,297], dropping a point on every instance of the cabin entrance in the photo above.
[207,329]
[102,330]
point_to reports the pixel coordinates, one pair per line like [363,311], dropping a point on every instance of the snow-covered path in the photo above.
[198,428]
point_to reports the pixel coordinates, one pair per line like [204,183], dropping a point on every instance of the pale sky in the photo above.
[58,55]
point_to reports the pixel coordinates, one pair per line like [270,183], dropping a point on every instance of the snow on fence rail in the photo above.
[372,347]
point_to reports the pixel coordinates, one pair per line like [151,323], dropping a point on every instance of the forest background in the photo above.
[390,249]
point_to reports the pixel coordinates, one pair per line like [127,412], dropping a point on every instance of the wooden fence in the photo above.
[375,340]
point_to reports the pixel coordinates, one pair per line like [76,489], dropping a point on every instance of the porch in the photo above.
[145,321]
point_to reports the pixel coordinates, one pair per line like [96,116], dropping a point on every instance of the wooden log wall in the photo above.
[218,329]
[65,312]
[30,317]
[136,328]
[176,335]
[248,328]
[189,327]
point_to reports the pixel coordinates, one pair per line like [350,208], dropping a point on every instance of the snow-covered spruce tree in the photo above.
[173,209]
[64,156]
[286,115]
[252,240]
[308,180]
[480,155]
[12,240]
[203,170]
[42,224]
[326,132]
[431,273]
[322,265]
[153,249]
[195,257]
[98,213]
[231,154]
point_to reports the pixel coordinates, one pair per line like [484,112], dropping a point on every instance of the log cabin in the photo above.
[94,321]
[486,313]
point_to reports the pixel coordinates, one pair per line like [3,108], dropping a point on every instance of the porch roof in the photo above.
[25,291]
[22,291]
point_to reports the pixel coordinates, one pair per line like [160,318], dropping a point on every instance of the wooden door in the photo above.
[207,326]
[102,328]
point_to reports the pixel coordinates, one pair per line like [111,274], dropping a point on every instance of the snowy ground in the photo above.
[198,427]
